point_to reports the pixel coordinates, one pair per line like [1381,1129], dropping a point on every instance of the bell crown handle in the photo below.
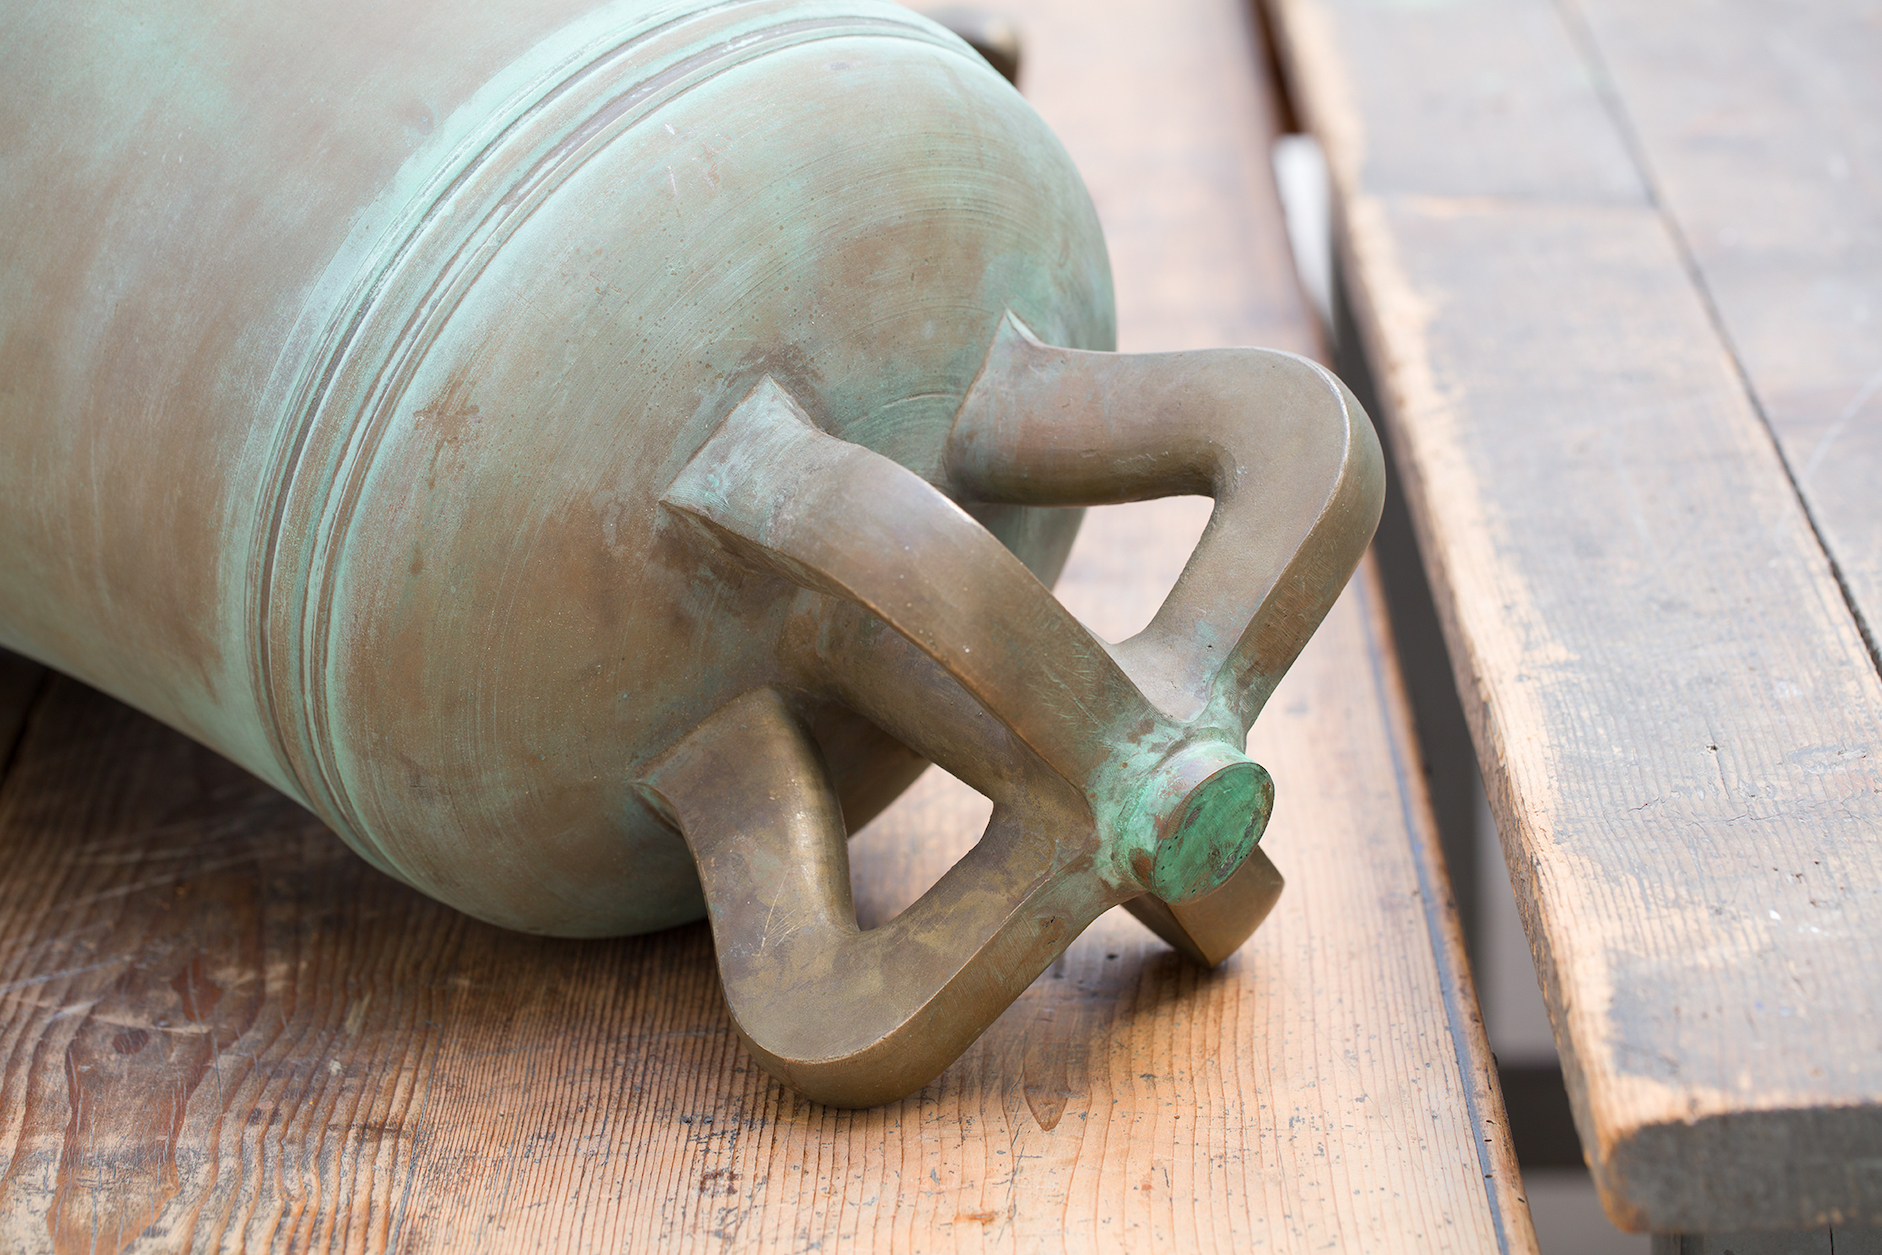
[1278,441]
[839,519]
[1121,777]
[848,1017]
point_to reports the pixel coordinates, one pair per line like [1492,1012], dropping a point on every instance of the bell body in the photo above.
[346,351]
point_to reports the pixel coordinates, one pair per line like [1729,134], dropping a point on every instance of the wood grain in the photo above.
[1756,125]
[220,1029]
[1677,715]
[1166,109]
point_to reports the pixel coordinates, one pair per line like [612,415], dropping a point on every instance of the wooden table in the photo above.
[1619,268]
[218,1027]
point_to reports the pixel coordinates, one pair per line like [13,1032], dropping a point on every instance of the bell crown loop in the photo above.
[1109,796]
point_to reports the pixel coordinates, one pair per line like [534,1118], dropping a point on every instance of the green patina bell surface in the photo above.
[594,455]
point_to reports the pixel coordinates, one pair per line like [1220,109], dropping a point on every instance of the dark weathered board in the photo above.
[219,1028]
[1760,127]
[1680,725]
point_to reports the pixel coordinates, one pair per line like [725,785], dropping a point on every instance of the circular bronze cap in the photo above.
[1210,805]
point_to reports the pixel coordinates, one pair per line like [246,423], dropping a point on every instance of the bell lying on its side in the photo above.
[594,455]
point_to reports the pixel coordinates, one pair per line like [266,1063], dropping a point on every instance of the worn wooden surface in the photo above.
[1760,129]
[219,1028]
[1679,720]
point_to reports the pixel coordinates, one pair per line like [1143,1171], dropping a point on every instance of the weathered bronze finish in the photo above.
[1116,773]
[596,478]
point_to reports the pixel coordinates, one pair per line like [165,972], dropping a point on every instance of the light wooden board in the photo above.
[1680,725]
[1760,126]
[1166,109]
[217,1026]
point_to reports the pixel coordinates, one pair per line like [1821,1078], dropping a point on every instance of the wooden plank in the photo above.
[1166,110]
[1757,126]
[219,1027]
[1678,718]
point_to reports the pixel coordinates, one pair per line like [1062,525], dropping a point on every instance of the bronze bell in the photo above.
[594,455]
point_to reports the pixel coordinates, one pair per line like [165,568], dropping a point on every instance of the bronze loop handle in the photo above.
[848,1017]
[1279,442]
[1116,772]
